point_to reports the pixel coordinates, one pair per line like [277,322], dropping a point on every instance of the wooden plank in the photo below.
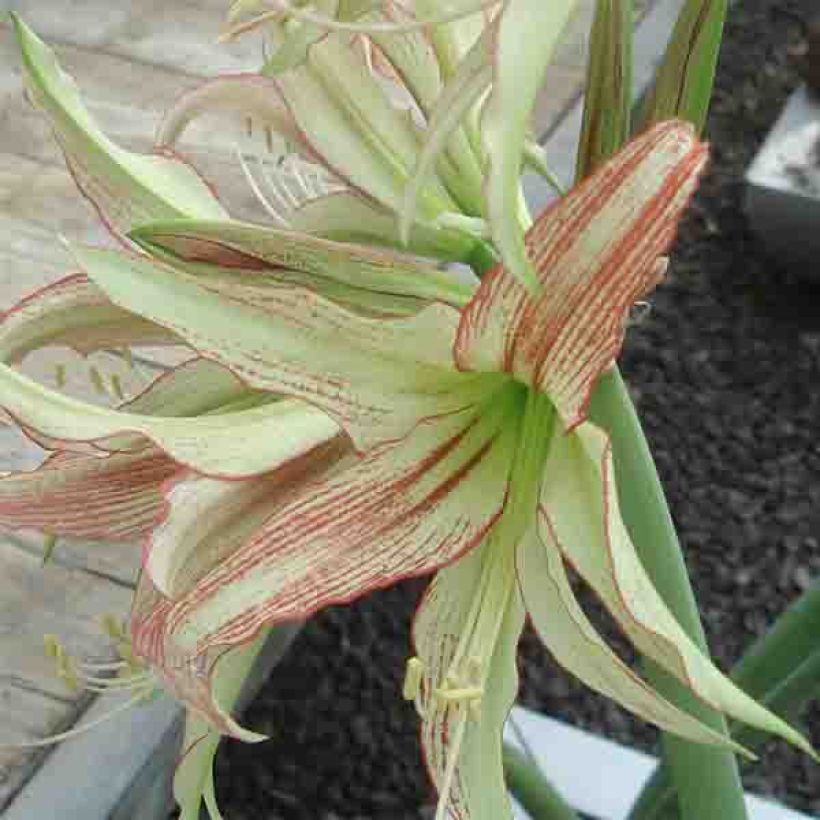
[180,36]
[36,600]
[25,714]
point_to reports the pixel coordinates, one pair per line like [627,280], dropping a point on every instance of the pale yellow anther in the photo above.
[51,646]
[465,693]
[412,679]
[59,375]
[67,672]
[116,387]
[249,126]
[269,139]
[126,653]
[49,542]
[128,357]
[96,379]
[113,627]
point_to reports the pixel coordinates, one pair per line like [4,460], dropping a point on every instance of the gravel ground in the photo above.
[726,370]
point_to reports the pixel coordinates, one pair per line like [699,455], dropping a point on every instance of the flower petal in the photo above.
[205,519]
[465,87]
[110,498]
[74,312]
[476,790]
[234,444]
[526,35]
[399,511]
[350,123]
[248,95]
[325,263]
[596,251]
[576,645]
[192,683]
[376,377]
[346,216]
[126,188]
[579,513]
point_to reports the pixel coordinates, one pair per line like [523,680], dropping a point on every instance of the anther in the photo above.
[97,379]
[412,679]
[116,387]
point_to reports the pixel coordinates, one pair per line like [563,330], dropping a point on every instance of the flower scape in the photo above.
[349,411]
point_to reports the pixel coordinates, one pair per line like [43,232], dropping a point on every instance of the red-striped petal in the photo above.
[112,498]
[76,313]
[400,511]
[596,251]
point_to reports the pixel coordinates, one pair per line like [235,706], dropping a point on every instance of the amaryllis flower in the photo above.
[351,417]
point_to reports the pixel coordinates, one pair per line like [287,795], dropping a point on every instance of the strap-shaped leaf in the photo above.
[126,188]
[683,84]
[608,94]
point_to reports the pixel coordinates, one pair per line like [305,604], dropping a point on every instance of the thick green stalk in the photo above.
[532,790]
[781,669]
[706,779]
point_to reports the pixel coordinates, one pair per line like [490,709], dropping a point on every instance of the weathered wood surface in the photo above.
[131,58]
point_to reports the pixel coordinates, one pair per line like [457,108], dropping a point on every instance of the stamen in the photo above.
[97,380]
[116,387]
[272,212]
[412,679]
[49,543]
[59,375]
[450,770]
[78,730]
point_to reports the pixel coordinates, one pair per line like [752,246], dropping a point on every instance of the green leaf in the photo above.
[126,188]
[608,96]
[781,669]
[707,778]
[683,84]
[532,790]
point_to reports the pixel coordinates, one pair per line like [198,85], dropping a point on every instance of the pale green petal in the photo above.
[576,645]
[74,312]
[580,514]
[350,123]
[193,777]
[349,217]
[377,377]
[527,34]
[231,445]
[270,254]
[464,88]
[445,615]
[127,188]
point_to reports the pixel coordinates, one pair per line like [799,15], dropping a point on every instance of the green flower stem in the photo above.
[781,669]
[706,780]
[532,790]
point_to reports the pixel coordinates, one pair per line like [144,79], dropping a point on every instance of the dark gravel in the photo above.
[726,369]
